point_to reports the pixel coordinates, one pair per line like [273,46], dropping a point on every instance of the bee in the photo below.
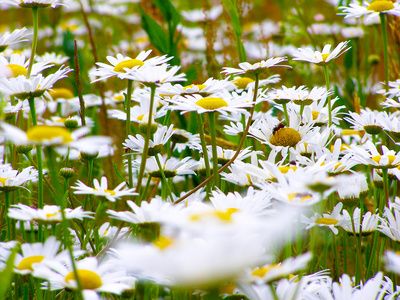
[277,127]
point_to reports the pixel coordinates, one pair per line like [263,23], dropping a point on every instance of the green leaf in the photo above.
[7,274]
[170,13]
[156,33]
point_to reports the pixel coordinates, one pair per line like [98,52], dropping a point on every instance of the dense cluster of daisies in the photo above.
[235,188]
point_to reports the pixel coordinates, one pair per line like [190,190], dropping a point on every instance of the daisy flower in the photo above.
[36,86]
[370,9]
[49,214]
[52,58]
[150,75]
[256,68]
[325,220]
[317,57]
[273,272]
[209,87]
[11,179]
[246,83]
[390,224]
[223,103]
[159,139]
[172,167]
[121,64]
[94,277]
[101,189]
[368,120]
[18,65]
[368,224]
[183,139]
[394,89]
[38,253]
[33,3]
[17,36]
[392,261]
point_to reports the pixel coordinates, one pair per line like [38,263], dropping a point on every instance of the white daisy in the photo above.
[256,68]
[33,3]
[17,36]
[317,57]
[101,189]
[49,214]
[121,64]
[52,58]
[370,9]
[150,75]
[12,179]
[329,220]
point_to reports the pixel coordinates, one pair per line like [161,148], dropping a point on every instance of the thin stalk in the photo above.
[7,198]
[212,119]
[79,85]
[328,98]
[163,177]
[146,140]
[285,111]
[203,145]
[128,97]
[385,49]
[35,14]
[237,151]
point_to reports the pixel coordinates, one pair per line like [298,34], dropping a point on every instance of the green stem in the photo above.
[212,118]
[35,39]
[203,145]
[128,101]
[285,111]
[7,198]
[237,150]
[164,178]
[146,140]
[328,98]
[385,49]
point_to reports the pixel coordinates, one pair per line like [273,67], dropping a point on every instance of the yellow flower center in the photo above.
[43,132]
[325,56]
[163,242]
[260,272]
[225,216]
[211,103]
[17,70]
[89,280]
[301,197]
[111,192]
[27,262]
[119,98]
[326,221]
[61,93]
[200,86]
[285,137]
[286,169]
[380,5]
[378,158]
[242,82]
[314,114]
[127,64]
[3,181]
[48,216]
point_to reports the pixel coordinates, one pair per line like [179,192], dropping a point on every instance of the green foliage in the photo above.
[7,274]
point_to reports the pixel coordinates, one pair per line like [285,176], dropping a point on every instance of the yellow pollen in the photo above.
[128,64]
[17,70]
[61,120]
[44,132]
[242,82]
[325,56]
[249,179]
[260,272]
[119,98]
[3,181]
[27,262]
[314,114]
[61,93]
[286,169]
[378,158]
[200,86]
[225,216]
[48,216]
[380,5]
[211,103]
[326,221]
[142,40]
[140,118]
[89,280]
[163,242]
[70,27]
[111,192]
[285,137]
[302,197]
